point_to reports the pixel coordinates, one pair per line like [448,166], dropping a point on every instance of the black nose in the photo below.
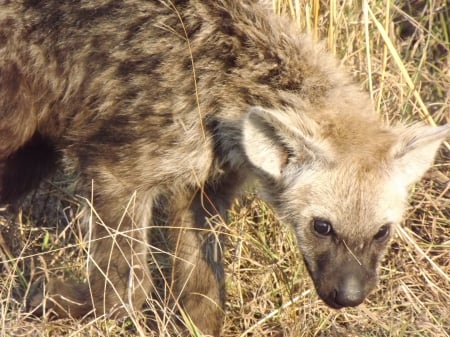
[349,293]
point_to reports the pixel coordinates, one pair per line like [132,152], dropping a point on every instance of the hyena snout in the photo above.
[345,286]
[350,292]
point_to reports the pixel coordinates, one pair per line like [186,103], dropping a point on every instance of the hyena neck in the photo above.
[268,62]
[280,71]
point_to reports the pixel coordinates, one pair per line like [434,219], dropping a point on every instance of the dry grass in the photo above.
[400,52]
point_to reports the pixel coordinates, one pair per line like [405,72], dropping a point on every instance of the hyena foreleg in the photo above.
[119,280]
[198,272]
[118,266]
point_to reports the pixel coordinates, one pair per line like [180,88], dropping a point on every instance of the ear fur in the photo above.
[416,149]
[270,138]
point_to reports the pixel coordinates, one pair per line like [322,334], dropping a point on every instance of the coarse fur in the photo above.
[170,107]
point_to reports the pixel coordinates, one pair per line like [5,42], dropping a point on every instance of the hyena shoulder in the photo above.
[114,76]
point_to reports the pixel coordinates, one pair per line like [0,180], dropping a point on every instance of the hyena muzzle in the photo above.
[184,101]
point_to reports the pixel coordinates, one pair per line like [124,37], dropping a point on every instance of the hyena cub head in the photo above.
[342,186]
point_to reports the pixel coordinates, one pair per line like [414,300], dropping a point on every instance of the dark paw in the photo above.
[35,299]
[58,298]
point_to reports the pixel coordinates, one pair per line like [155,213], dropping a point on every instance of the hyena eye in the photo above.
[322,227]
[382,233]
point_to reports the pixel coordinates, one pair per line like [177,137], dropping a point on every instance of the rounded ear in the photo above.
[270,138]
[415,151]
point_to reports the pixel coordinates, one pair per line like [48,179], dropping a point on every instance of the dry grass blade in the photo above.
[424,111]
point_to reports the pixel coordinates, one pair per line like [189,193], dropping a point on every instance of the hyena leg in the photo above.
[198,271]
[118,276]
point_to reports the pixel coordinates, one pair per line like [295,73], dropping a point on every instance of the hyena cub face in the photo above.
[341,190]
[343,219]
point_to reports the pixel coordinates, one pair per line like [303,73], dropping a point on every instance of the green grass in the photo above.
[399,51]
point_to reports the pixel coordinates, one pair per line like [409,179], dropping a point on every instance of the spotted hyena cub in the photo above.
[184,101]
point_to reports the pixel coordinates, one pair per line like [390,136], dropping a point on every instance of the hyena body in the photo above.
[184,101]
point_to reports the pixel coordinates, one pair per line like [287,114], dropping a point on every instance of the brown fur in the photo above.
[184,101]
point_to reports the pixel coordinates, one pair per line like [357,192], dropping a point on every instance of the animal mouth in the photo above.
[334,301]
[345,295]
[331,300]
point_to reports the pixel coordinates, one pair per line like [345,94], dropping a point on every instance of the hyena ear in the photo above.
[272,138]
[415,151]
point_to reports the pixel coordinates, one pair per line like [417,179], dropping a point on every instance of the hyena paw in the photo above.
[59,298]
[35,298]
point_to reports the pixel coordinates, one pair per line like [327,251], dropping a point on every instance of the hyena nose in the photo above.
[350,293]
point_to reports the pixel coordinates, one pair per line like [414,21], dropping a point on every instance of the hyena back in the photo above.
[184,101]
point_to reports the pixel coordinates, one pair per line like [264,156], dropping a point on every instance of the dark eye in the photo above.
[322,227]
[382,233]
